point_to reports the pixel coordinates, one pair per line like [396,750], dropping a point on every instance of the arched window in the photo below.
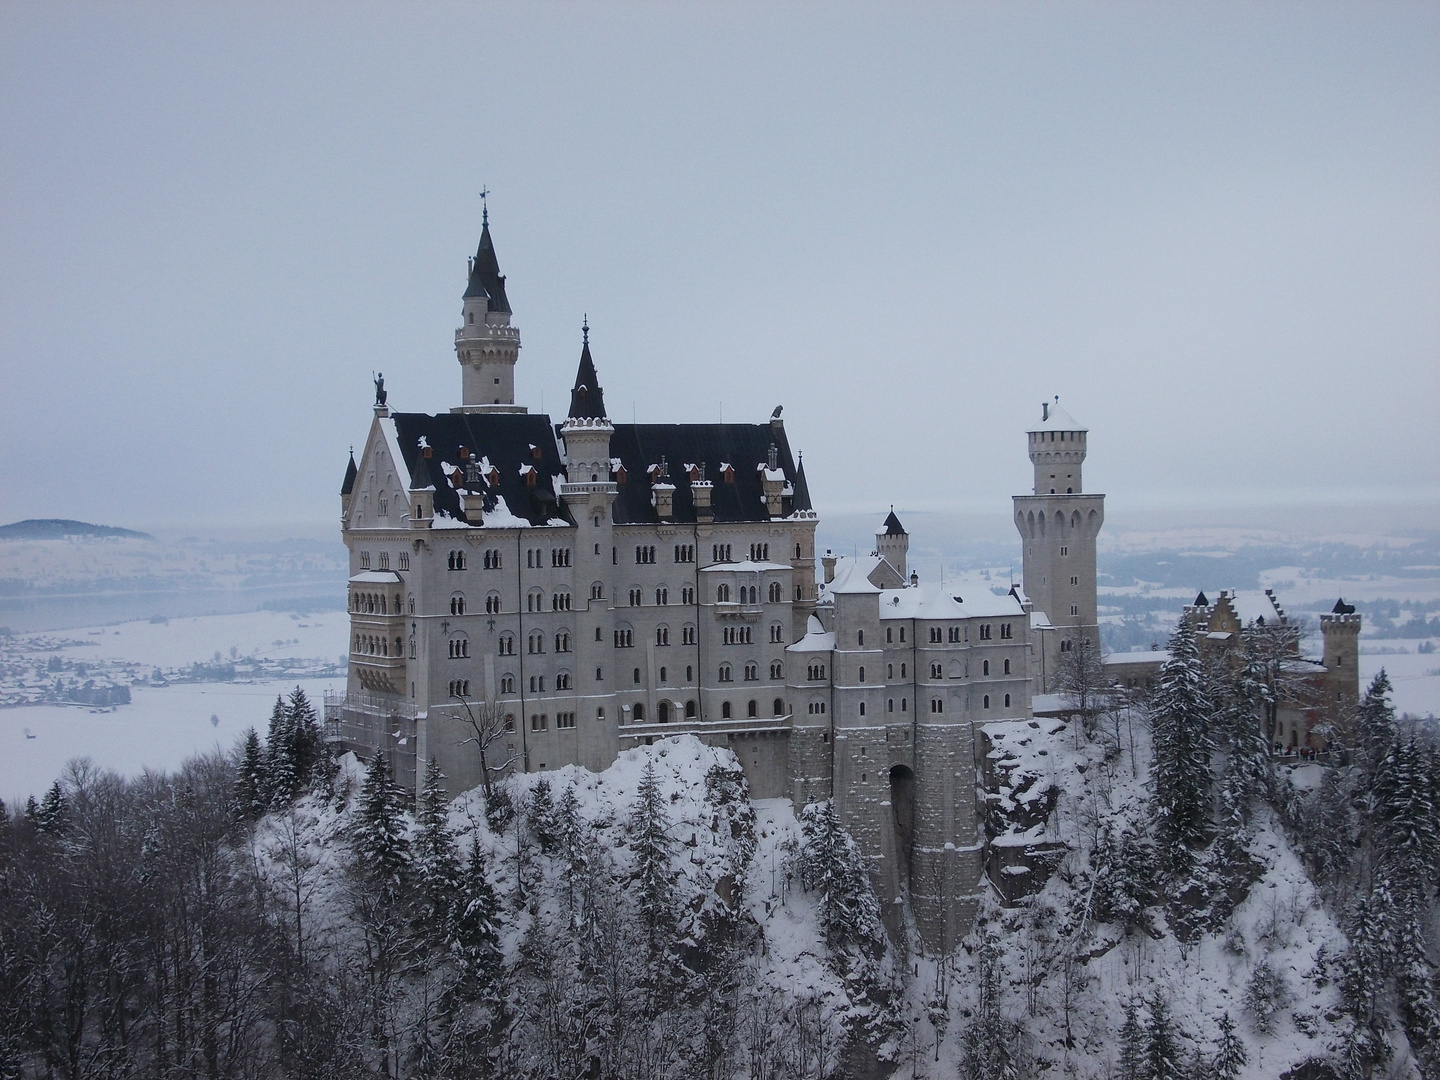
[690,709]
[987,701]
[775,593]
[457,604]
[779,707]
[985,668]
[862,672]
[722,594]
[725,673]
[536,642]
[753,708]
[777,669]
[639,713]
[662,712]
[862,708]
[507,645]
[492,604]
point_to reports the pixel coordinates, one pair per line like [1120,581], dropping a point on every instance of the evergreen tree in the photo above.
[987,1045]
[1163,1057]
[572,839]
[282,781]
[382,849]
[250,779]
[1132,1044]
[541,810]
[1230,1053]
[1247,699]
[32,811]
[307,741]
[53,814]
[1371,955]
[1409,826]
[475,938]
[1265,995]
[1375,721]
[650,840]
[435,861]
[1125,879]
[830,863]
[1179,714]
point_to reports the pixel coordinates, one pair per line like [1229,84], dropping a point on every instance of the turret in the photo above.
[1057,450]
[1341,631]
[892,543]
[586,433]
[486,345]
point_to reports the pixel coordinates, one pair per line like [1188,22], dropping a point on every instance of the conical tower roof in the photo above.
[485,277]
[893,526]
[587,399]
[801,501]
[350,473]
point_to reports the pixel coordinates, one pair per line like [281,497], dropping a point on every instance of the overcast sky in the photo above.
[1213,230]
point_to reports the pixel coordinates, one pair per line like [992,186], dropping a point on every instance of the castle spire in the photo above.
[485,278]
[587,399]
[486,345]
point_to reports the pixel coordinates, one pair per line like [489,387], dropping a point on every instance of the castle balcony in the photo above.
[487,332]
[704,728]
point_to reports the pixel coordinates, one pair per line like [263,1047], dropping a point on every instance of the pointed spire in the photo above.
[485,277]
[587,399]
[350,472]
[893,526]
[801,499]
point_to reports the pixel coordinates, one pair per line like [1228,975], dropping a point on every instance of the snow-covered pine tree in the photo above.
[831,864]
[1164,1059]
[572,841]
[728,796]
[1265,995]
[1371,955]
[1408,820]
[987,1044]
[475,936]
[1243,723]
[1125,878]
[307,741]
[381,847]
[1375,723]
[250,779]
[282,780]
[1179,717]
[1132,1063]
[53,813]
[1230,1052]
[435,862]
[654,886]
[541,810]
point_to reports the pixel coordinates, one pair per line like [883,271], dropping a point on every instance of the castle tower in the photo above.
[486,345]
[1341,630]
[589,492]
[893,542]
[1058,525]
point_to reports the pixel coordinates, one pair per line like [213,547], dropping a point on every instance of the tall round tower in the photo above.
[1058,525]
[486,345]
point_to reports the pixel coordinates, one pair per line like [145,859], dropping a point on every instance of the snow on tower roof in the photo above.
[1054,418]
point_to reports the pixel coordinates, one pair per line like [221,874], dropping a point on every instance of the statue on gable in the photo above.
[380,388]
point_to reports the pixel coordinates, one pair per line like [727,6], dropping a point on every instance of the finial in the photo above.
[585,328]
[484,206]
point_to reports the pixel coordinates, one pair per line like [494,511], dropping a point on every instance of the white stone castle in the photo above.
[593,585]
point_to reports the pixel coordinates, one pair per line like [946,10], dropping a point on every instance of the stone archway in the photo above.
[662,711]
[902,808]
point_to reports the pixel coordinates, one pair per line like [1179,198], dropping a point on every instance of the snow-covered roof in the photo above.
[1054,418]
[376,577]
[816,638]
[853,575]
[1138,656]
[1252,604]
[933,602]
[747,566]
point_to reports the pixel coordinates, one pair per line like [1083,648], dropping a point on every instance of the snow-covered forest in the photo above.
[276,912]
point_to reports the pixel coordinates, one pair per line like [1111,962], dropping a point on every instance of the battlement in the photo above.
[1332,623]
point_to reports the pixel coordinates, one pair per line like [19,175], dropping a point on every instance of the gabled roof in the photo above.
[893,526]
[507,442]
[348,484]
[485,277]
[1054,418]
[744,447]
[587,399]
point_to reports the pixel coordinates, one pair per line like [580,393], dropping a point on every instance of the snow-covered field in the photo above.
[1415,676]
[163,725]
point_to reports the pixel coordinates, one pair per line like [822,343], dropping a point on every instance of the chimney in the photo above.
[700,492]
[1044,411]
[828,561]
[914,579]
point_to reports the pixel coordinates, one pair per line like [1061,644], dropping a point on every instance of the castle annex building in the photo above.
[592,585]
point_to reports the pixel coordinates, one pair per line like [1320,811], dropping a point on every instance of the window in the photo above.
[935,635]
[456,561]
[635,598]
[599,674]
[759,552]
[560,601]
[752,673]
[662,674]
[684,553]
[1007,701]
[890,705]
[687,635]
[1064,550]
[507,645]
[459,648]
[492,559]
[862,673]
[903,704]
[644,555]
[1007,667]
[537,684]
[985,632]
[636,676]
[936,671]
[775,593]
[690,709]
[539,722]
[725,710]
[889,634]
[562,681]
[860,637]
[722,594]
[560,557]
[816,708]
[535,601]
[564,720]
[510,722]
[752,708]
[597,591]
[954,635]
[492,604]
[889,671]
[1066,645]
[364,560]
[459,688]
[862,708]
[687,594]
[536,642]
[987,701]
[598,636]
[777,633]
[779,707]
[725,673]
[562,641]
[937,705]
[902,671]
[689,673]
[662,596]
[624,639]
[600,714]
[985,668]
[1074,580]
[720,553]
[737,635]
[457,604]
[507,684]
[662,635]
[815,672]
[404,560]
[777,669]
[1005,631]
[902,635]
[1074,609]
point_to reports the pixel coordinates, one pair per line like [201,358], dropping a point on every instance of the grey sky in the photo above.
[1213,230]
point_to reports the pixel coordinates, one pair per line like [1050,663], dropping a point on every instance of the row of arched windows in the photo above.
[372,645]
[374,604]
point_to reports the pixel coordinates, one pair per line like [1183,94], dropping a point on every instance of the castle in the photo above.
[592,585]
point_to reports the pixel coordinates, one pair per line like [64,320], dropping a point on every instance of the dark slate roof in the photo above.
[802,488]
[587,399]
[506,439]
[1342,608]
[348,485]
[1202,601]
[893,526]
[742,446]
[485,277]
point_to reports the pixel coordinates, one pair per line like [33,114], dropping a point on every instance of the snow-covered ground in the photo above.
[163,725]
[1415,676]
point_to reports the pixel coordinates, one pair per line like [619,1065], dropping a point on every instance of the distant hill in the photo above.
[59,528]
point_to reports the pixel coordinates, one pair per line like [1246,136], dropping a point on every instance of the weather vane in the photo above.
[585,327]
[484,205]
